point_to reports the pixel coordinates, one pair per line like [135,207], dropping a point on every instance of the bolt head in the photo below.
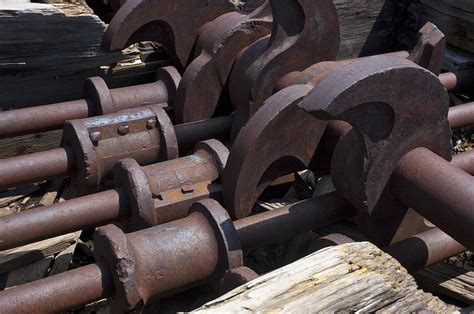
[150,124]
[95,136]
[123,129]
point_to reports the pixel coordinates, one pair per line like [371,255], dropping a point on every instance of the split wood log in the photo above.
[346,278]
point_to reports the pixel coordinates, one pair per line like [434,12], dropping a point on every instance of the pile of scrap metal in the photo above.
[180,163]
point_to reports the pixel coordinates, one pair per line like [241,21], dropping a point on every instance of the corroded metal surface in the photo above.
[144,197]
[173,24]
[386,125]
[219,42]
[99,100]
[304,33]
[91,147]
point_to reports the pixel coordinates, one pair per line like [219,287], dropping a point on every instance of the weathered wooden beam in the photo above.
[347,278]
[45,54]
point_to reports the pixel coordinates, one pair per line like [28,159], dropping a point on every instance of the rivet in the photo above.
[186,189]
[95,136]
[150,124]
[123,129]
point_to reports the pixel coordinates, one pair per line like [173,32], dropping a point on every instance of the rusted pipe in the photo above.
[424,249]
[278,225]
[36,167]
[49,221]
[63,291]
[172,256]
[145,196]
[464,161]
[99,100]
[438,191]
[43,118]
[461,115]
[188,134]
[91,147]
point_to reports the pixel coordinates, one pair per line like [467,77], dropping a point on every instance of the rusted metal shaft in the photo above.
[438,191]
[424,249]
[278,225]
[183,252]
[99,100]
[62,161]
[464,161]
[43,118]
[60,292]
[188,134]
[461,115]
[161,192]
[49,221]
[36,167]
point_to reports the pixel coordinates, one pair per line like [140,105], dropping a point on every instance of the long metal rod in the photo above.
[61,292]
[43,118]
[424,249]
[61,161]
[461,115]
[438,191]
[278,225]
[36,167]
[49,221]
[188,134]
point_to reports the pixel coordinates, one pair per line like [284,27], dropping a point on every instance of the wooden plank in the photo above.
[45,54]
[25,255]
[455,18]
[28,273]
[347,278]
[449,280]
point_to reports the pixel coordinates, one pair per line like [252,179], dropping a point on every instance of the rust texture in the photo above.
[91,147]
[99,100]
[144,197]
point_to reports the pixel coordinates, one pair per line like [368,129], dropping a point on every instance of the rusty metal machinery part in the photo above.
[173,24]
[389,129]
[461,115]
[304,33]
[144,197]
[92,146]
[388,123]
[427,53]
[99,100]
[217,46]
[199,249]
[424,249]
[426,182]
[254,161]
[195,250]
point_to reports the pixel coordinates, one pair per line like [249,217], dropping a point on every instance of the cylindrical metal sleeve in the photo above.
[449,80]
[49,221]
[60,292]
[461,115]
[188,134]
[139,95]
[41,118]
[279,225]
[464,161]
[178,254]
[36,167]
[438,191]
[424,249]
